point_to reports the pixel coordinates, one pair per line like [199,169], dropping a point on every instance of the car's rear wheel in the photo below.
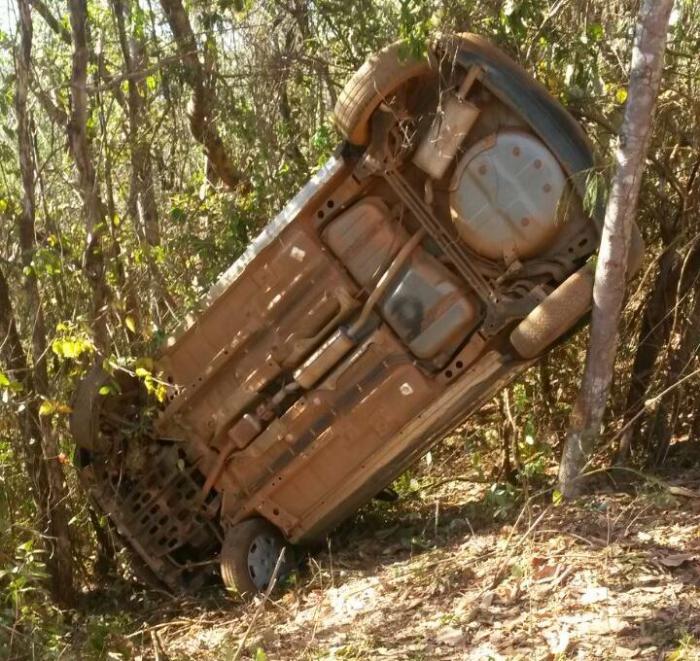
[374,82]
[249,555]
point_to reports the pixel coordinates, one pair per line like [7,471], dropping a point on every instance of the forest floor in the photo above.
[454,570]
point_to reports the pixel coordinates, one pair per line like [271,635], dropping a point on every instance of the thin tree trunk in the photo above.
[292,130]
[50,495]
[95,216]
[658,320]
[202,106]
[40,459]
[61,30]
[142,201]
[142,205]
[300,11]
[653,336]
[609,287]
[123,287]
[680,361]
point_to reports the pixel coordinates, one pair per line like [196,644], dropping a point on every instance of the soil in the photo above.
[460,570]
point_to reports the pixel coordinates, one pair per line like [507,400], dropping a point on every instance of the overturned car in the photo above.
[438,254]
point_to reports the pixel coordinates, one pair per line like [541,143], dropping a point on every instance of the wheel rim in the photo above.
[262,557]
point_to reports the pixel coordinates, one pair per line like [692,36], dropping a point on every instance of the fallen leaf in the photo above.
[511,595]
[676,560]
[594,594]
[546,573]
[558,641]
[450,636]
[626,653]
[683,491]
[603,627]
[413,603]
[486,601]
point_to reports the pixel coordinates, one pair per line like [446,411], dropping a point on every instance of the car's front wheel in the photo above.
[249,555]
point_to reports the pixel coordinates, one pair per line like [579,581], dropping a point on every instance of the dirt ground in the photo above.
[455,570]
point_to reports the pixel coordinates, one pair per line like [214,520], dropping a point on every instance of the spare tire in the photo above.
[382,73]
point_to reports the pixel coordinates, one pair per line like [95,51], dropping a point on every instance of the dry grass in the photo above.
[613,576]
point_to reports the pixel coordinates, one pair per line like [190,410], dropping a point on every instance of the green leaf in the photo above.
[46,408]
[71,347]
[105,390]
[621,95]
[595,31]
[177,214]
[160,391]
[557,497]
[595,193]
[130,323]
[142,372]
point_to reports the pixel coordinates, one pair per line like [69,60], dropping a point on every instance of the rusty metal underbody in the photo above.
[369,318]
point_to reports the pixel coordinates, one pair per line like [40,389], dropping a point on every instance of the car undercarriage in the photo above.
[439,253]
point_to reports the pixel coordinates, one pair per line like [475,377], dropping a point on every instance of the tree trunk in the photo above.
[680,362]
[61,30]
[653,336]
[50,494]
[300,11]
[292,130]
[609,287]
[142,203]
[95,215]
[202,106]
[40,457]
[142,200]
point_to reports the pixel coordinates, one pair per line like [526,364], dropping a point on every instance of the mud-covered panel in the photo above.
[335,428]
[356,434]
[297,296]
[232,287]
[292,264]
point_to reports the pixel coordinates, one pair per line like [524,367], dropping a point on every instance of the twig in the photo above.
[13,630]
[258,610]
[330,561]
[469,525]
[156,645]
[594,542]
[172,623]
[497,578]
[558,580]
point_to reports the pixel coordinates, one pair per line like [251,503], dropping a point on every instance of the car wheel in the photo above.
[381,75]
[249,555]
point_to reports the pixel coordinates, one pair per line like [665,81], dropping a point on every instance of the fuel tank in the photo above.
[425,306]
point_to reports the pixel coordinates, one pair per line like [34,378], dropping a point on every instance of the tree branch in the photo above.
[202,123]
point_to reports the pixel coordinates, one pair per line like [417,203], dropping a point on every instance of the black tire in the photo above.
[249,554]
[381,75]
